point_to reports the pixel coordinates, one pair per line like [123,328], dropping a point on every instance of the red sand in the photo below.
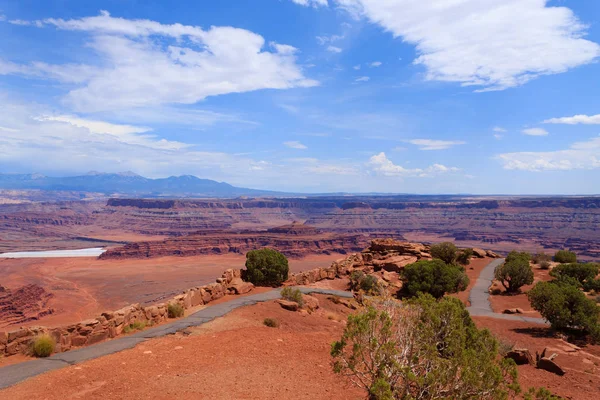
[235,357]
[85,287]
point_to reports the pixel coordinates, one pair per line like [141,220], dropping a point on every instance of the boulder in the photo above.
[491,254]
[3,338]
[479,253]
[513,311]
[288,305]
[395,263]
[14,335]
[520,356]
[311,303]
[238,286]
[548,364]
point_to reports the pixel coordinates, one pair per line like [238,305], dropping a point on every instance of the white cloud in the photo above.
[376,64]
[430,144]
[329,39]
[535,132]
[145,63]
[356,67]
[295,145]
[576,119]
[124,133]
[381,165]
[498,136]
[580,155]
[362,79]
[334,49]
[498,129]
[313,3]
[484,43]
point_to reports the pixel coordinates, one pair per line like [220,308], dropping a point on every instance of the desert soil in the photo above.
[582,378]
[85,287]
[503,301]
[234,357]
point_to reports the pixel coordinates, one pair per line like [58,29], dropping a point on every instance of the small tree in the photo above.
[514,274]
[564,306]
[581,272]
[425,349]
[540,257]
[367,283]
[434,277]
[565,256]
[464,256]
[446,251]
[266,267]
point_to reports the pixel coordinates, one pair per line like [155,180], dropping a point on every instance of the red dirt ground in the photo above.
[85,287]
[582,378]
[502,301]
[235,357]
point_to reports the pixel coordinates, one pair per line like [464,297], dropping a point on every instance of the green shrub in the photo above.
[544,265]
[175,310]
[518,255]
[540,394]
[446,251]
[564,306]
[266,267]
[464,256]
[135,326]
[290,294]
[565,256]
[271,323]
[592,285]
[43,346]
[514,273]
[434,277]
[580,272]
[422,349]
[367,283]
[540,257]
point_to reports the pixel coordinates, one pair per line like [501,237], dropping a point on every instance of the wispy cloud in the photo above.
[312,3]
[376,64]
[499,129]
[295,145]
[380,164]
[580,155]
[334,49]
[362,79]
[576,119]
[535,132]
[430,144]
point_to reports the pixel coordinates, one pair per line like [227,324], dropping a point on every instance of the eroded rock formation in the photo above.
[27,303]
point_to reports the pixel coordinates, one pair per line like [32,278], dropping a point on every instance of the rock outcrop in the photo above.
[111,324]
[27,303]
[298,244]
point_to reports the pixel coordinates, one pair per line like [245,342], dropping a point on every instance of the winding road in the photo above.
[13,374]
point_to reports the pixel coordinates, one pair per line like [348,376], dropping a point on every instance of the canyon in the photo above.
[500,224]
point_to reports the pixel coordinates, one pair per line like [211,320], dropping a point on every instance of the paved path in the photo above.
[480,298]
[13,374]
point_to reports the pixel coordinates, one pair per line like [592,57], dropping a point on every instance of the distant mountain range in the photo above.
[130,184]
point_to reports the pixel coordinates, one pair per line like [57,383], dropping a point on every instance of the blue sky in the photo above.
[406,96]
